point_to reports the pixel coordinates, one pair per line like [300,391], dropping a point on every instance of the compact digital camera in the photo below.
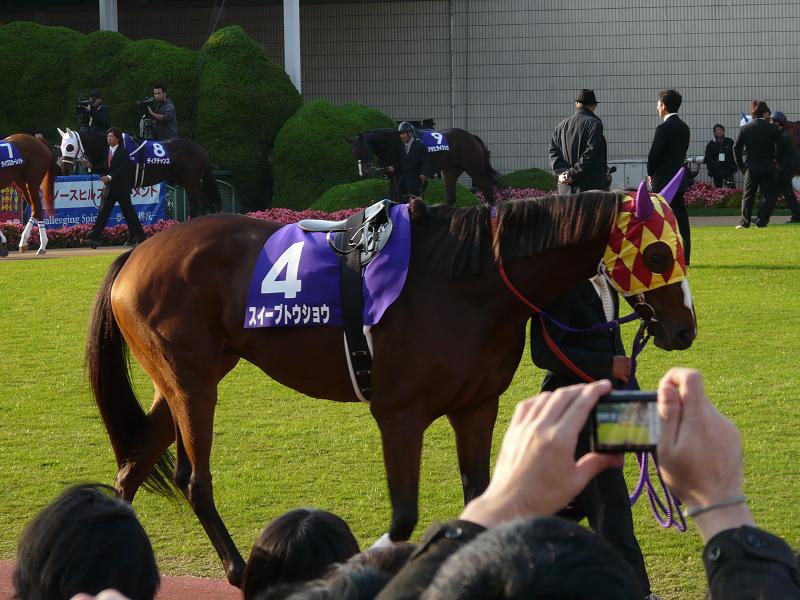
[625,421]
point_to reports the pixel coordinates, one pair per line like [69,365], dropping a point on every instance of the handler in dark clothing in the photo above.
[99,113]
[578,152]
[763,144]
[119,183]
[789,167]
[719,159]
[666,157]
[415,164]
[601,355]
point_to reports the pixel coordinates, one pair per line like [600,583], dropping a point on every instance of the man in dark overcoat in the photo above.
[578,153]
[415,164]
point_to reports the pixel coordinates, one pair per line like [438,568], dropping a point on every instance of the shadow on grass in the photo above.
[749,267]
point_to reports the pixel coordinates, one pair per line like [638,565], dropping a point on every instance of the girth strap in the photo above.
[350,277]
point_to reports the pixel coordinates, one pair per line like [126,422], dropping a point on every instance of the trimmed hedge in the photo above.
[366,192]
[530,178]
[243,98]
[311,153]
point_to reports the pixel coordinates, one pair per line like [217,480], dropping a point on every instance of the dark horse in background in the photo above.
[38,169]
[467,153]
[190,166]
[448,346]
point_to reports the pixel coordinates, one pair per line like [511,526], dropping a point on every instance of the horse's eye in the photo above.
[69,148]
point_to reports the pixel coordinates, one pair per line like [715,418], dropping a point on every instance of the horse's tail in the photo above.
[107,366]
[211,198]
[488,170]
[49,183]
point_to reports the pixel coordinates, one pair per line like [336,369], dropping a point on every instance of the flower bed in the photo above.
[704,195]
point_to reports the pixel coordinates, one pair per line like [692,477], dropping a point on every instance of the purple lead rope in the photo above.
[664,511]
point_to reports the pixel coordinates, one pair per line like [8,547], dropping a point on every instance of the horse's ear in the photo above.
[417,211]
[658,257]
[63,133]
[643,204]
[668,191]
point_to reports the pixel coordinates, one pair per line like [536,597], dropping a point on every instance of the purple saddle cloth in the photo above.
[9,155]
[146,152]
[296,278]
[435,141]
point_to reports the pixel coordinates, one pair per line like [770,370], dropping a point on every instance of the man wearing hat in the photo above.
[578,149]
[99,114]
[415,165]
[788,168]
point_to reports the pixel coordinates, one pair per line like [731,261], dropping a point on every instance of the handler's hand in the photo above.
[105,179]
[564,178]
[423,178]
[621,368]
[699,452]
[536,472]
[390,168]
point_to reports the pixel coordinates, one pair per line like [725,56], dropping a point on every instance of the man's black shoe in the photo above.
[90,243]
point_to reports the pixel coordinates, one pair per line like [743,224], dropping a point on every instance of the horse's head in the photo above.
[71,150]
[644,261]
[363,153]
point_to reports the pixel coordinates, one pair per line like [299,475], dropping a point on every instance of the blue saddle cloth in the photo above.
[9,155]
[146,152]
[296,278]
[435,141]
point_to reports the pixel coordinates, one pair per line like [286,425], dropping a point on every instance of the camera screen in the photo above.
[626,421]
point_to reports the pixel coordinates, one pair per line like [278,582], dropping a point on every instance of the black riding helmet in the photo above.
[405,127]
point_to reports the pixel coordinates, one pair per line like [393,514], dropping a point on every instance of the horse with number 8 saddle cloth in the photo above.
[144,153]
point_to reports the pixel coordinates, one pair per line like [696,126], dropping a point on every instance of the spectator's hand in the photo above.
[155,115]
[536,472]
[87,108]
[104,595]
[564,178]
[699,452]
[621,368]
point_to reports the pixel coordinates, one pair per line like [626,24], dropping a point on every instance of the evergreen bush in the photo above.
[530,178]
[352,195]
[312,153]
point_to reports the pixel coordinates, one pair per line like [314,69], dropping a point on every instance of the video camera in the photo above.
[81,104]
[144,104]
[146,122]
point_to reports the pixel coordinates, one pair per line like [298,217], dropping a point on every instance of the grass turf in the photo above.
[275,449]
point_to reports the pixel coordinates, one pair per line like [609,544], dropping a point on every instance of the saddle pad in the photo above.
[435,141]
[9,155]
[296,278]
[146,152]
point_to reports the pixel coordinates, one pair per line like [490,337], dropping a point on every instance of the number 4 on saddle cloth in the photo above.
[297,277]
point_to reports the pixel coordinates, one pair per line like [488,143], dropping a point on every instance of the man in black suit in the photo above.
[118,182]
[600,355]
[666,157]
[415,164]
[578,152]
[763,144]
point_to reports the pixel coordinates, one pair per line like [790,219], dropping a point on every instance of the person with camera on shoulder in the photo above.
[96,115]
[166,120]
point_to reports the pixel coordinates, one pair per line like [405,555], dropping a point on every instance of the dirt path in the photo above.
[172,588]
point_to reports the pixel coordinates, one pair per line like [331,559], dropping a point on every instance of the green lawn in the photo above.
[275,449]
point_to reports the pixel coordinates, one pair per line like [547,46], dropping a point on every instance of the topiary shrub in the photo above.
[244,100]
[311,153]
[352,195]
[530,178]
[435,194]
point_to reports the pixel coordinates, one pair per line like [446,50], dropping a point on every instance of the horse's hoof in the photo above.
[23,248]
[3,250]
[41,251]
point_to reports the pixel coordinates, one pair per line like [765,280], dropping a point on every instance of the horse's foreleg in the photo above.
[473,428]
[42,239]
[402,450]
[450,187]
[26,234]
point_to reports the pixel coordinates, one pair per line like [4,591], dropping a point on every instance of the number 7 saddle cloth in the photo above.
[296,280]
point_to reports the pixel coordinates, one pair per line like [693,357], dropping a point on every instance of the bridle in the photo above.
[80,157]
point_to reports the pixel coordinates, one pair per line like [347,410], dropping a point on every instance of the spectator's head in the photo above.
[719,131]
[87,540]
[299,545]
[159,92]
[96,97]
[535,558]
[670,100]
[760,110]
[114,136]
[586,99]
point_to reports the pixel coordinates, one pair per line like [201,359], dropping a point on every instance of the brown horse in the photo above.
[448,346]
[466,153]
[36,169]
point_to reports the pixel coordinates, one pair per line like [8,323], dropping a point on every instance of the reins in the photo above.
[670,506]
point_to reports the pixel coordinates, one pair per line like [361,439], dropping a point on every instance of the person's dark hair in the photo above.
[299,545]
[160,86]
[718,125]
[117,133]
[86,540]
[535,558]
[760,108]
[671,99]
[345,582]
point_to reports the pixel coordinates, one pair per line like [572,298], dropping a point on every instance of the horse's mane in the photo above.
[457,241]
